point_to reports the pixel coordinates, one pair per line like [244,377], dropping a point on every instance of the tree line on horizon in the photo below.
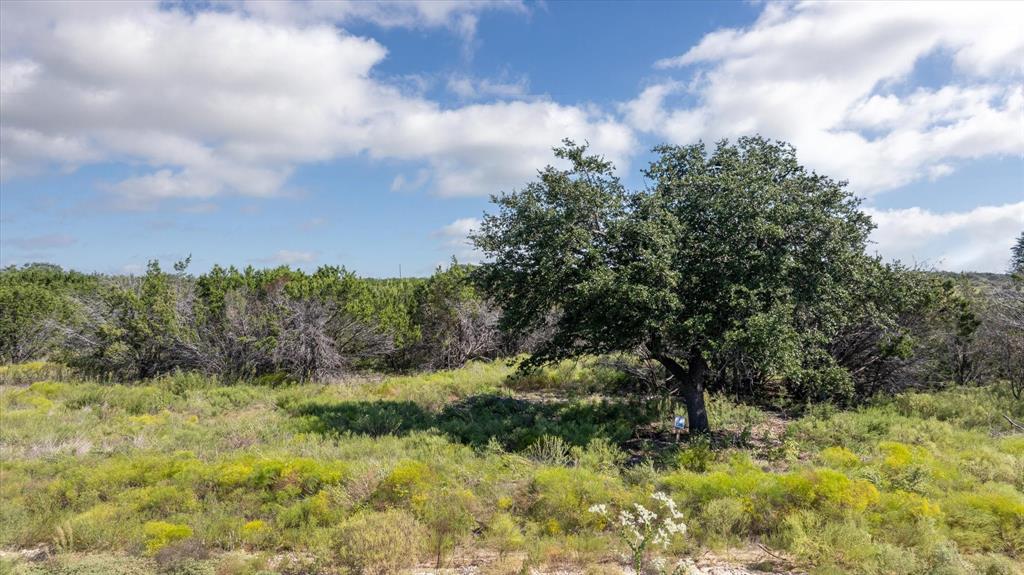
[736,270]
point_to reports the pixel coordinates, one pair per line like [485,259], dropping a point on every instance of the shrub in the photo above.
[101,527]
[564,495]
[697,456]
[769,497]
[725,519]
[379,543]
[447,513]
[160,500]
[284,478]
[991,519]
[841,545]
[583,376]
[255,532]
[840,457]
[600,455]
[32,372]
[549,450]
[995,565]
[455,323]
[834,491]
[316,510]
[407,484]
[503,534]
[161,533]
[34,301]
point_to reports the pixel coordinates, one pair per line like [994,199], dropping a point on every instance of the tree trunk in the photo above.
[691,388]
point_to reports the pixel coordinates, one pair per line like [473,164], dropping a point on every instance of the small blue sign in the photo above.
[680,422]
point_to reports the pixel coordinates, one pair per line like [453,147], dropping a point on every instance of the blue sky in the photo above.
[371,134]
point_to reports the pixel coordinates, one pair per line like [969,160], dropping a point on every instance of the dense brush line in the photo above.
[282,324]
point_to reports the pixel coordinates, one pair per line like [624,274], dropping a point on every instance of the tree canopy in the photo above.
[733,252]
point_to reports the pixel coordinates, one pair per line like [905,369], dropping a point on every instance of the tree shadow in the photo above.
[373,418]
[514,423]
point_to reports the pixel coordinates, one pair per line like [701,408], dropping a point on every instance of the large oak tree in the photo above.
[737,249]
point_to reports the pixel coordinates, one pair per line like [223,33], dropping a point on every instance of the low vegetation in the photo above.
[183,474]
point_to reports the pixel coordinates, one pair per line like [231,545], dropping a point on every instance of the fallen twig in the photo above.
[1013,423]
[765,549]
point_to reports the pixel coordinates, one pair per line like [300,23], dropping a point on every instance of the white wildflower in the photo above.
[646,516]
[640,528]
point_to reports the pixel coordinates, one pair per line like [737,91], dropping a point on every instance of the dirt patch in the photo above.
[743,561]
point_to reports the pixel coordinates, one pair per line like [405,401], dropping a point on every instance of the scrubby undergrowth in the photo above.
[377,475]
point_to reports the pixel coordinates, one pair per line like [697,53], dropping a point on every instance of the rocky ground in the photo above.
[749,561]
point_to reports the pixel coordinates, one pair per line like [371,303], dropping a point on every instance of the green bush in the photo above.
[159,534]
[32,372]
[35,300]
[503,534]
[563,496]
[839,457]
[991,519]
[448,515]
[407,484]
[724,520]
[600,455]
[697,456]
[379,543]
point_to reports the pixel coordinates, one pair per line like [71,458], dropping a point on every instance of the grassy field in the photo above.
[476,465]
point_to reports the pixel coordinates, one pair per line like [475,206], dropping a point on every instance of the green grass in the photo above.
[184,475]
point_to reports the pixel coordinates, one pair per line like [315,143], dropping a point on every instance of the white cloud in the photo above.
[22,147]
[832,78]
[288,257]
[975,240]
[459,16]
[461,228]
[455,239]
[401,183]
[220,103]
[468,88]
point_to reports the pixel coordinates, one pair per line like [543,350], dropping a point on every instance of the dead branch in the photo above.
[1013,423]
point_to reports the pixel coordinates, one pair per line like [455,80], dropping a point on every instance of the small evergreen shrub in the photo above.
[503,534]
[562,497]
[379,543]
[159,534]
[407,484]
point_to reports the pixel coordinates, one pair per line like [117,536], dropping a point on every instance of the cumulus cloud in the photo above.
[455,239]
[976,240]
[459,16]
[834,78]
[469,88]
[288,258]
[403,183]
[232,101]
